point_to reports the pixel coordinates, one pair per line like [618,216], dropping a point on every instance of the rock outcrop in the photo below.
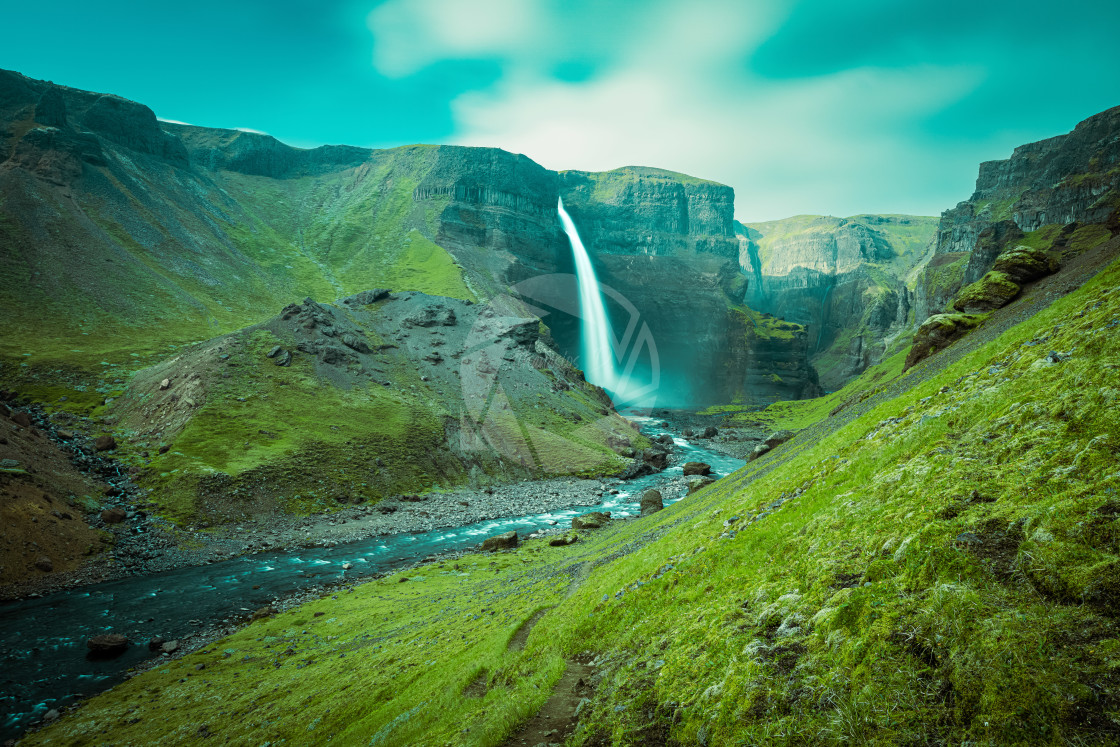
[1071,180]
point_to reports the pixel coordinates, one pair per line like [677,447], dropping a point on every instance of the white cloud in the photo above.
[677,93]
[250,129]
[173,121]
[410,34]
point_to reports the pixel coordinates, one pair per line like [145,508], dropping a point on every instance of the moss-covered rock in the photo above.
[937,333]
[1023,264]
[995,290]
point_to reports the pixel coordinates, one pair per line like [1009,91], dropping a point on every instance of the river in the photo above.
[43,641]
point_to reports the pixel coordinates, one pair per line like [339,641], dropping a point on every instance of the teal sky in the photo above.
[803,107]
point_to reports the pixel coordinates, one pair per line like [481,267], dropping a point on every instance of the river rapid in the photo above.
[43,640]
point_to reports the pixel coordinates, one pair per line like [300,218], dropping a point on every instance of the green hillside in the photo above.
[943,569]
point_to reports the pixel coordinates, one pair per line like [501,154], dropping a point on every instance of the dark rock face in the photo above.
[697,468]
[1062,180]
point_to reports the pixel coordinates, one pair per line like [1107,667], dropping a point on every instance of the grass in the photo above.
[798,414]
[941,569]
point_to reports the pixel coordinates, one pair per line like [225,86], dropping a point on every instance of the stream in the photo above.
[43,641]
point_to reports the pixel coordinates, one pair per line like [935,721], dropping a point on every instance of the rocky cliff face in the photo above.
[202,228]
[844,279]
[1072,178]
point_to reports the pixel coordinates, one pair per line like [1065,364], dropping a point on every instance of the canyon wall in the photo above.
[1066,182]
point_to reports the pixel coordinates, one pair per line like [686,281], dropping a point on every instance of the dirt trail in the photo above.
[558,717]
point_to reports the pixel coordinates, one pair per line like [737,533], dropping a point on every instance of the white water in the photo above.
[599,363]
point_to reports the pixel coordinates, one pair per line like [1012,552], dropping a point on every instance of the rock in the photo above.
[1025,263]
[778,437]
[436,315]
[263,612]
[637,468]
[356,343]
[165,384]
[21,419]
[156,643]
[687,433]
[592,520]
[697,468]
[993,291]
[164,448]
[107,646]
[651,502]
[664,438]
[656,458]
[367,297]
[105,443]
[505,541]
[283,358]
[274,352]
[51,715]
[44,564]
[937,333]
[114,515]
[64,435]
[710,432]
[698,483]
[563,541]
[169,648]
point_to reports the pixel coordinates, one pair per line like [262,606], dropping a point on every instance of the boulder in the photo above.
[563,541]
[367,297]
[436,315]
[937,333]
[778,437]
[105,443]
[169,647]
[44,564]
[504,541]
[113,515]
[1025,263]
[107,646]
[155,643]
[697,468]
[651,502]
[283,358]
[592,520]
[993,291]
[656,458]
[356,343]
[21,419]
[758,451]
[165,384]
[710,432]
[697,483]
[274,352]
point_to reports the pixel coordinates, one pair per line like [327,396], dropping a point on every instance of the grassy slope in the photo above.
[943,569]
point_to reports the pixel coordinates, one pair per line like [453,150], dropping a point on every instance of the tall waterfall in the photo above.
[595,335]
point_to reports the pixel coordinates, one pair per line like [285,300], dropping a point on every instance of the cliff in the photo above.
[1069,180]
[844,279]
[201,228]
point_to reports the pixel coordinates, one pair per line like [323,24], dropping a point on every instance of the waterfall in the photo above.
[595,336]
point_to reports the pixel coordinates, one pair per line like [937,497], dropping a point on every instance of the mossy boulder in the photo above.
[995,290]
[1023,264]
[592,520]
[937,333]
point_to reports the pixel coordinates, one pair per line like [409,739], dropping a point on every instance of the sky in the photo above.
[807,106]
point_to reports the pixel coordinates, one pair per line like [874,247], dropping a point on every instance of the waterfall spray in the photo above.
[595,337]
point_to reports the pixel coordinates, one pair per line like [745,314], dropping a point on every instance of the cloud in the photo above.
[411,34]
[250,129]
[672,85]
[174,121]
